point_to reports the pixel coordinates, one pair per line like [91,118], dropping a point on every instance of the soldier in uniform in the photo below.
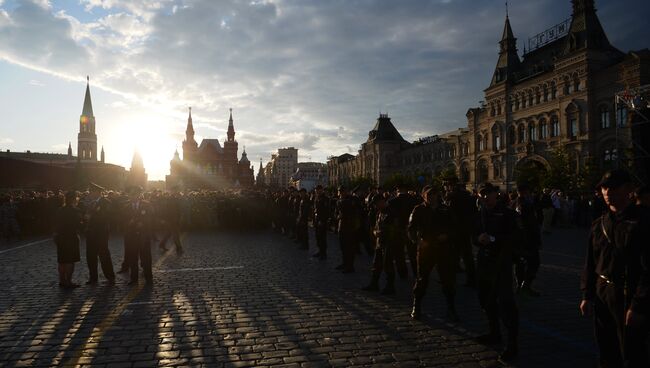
[348,222]
[430,228]
[462,210]
[527,260]
[384,254]
[321,218]
[616,276]
[97,221]
[171,219]
[495,234]
[400,209]
[302,221]
[138,235]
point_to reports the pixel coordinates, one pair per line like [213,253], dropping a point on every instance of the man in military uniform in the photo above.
[495,234]
[171,221]
[462,209]
[97,221]
[400,209]
[321,218]
[527,255]
[384,254]
[430,228]
[302,220]
[616,276]
[138,235]
[348,222]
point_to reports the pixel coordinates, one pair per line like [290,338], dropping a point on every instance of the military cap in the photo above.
[614,179]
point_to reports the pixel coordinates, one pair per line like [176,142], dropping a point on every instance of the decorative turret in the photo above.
[244,158]
[231,129]
[230,145]
[69,149]
[102,155]
[508,60]
[585,30]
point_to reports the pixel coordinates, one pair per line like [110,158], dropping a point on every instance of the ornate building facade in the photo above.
[561,94]
[209,165]
[279,169]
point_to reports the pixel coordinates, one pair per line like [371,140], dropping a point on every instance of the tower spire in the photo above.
[88,105]
[508,58]
[231,128]
[585,30]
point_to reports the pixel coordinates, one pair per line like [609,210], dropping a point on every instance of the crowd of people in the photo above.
[434,228]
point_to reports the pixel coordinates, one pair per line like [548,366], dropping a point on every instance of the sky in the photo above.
[313,74]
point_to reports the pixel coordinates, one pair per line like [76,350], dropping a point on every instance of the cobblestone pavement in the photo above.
[240,300]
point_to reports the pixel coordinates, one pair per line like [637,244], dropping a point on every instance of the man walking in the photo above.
[97,220]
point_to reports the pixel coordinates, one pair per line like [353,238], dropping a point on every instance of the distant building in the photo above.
[137,175]
[283,163]
[36,170]
[209,165]
[310,174]
[564,93]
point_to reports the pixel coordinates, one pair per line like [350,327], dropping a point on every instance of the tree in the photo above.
[561,174]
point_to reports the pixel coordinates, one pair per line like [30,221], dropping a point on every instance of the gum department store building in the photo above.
[561,94]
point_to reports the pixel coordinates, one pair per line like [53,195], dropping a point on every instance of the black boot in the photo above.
[417,309]
[511,351]
[373,286]
[492,337]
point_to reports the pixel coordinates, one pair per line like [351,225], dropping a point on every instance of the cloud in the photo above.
[6,140]
[313,74]
[36,83]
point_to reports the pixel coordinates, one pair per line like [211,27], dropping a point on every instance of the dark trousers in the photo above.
[402,243]
[383,261]
[97,247]
[175,234]
[495,293]
[464,252]
[620,345]
[348,241]
[139,250]
[443,258]
[527,265]
[320,230]
[302,234]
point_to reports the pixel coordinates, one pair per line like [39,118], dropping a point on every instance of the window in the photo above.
[611,154]
[521,136]
[498,108]
[532,132]
[553,91]
[604,117]
[576,84]
[543,133]
[530,98]
[497,142]
[83,153]
[481,147]
[537,97]
[546,95]
[573,127]
[621,115]
[497,170]
[555,127]
[567,86]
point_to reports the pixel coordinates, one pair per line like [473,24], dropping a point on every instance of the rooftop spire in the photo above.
[231,128]
[585,30]
[508,58]
[190,128]
[88,105]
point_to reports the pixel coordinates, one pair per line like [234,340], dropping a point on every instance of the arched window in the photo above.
[610,154]
[482,171]
[546,94]
[532,132]
[538,96]
[83,153]
[604,117]
[543,129]
[497,142]
[567,86]
[576,83]
[555,127]
[530,98]
[553,91]
[521,134]
[481,147]
[621,115]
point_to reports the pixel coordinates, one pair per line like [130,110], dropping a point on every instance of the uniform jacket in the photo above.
[618,250]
